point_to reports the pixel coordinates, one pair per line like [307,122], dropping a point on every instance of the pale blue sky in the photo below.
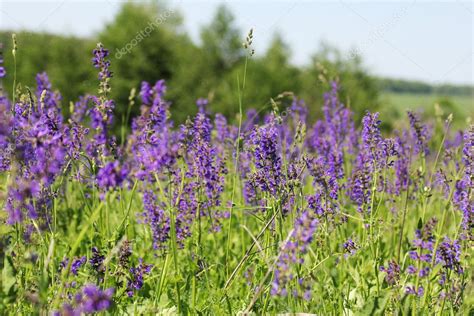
[425,40]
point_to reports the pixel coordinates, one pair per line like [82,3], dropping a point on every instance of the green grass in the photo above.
[394,106]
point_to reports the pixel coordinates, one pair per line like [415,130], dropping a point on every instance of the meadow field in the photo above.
[462,105]
[263,213]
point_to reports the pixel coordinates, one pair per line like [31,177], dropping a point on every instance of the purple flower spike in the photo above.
[111,175]
[96,300]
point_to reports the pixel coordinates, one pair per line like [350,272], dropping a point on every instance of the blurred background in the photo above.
[387,56]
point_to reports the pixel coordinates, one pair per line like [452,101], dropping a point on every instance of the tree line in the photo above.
[147,41]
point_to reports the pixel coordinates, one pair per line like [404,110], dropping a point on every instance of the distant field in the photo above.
[395,104]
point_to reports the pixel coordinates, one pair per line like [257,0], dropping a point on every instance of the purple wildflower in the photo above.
[102,112]
[6,128]
[267,157]
[96,300]
[202,104]
[2,69]
[402,164]
[125,253]
[393,272]
[96,260]
[154,215]
[152,141]
[420,133]
[350,247]
[76,264]
[100,62]
[111,175]
[462,197]
[449,255]
[293,252]
[411,290]
[135,281]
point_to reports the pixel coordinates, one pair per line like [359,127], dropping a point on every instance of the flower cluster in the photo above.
[292,253]
[135,282]
[339,190]
[90,299]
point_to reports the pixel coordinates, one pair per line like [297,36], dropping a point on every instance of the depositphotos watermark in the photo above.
[144,33]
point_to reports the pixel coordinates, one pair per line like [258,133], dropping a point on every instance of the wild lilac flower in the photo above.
[202,104]
[331,136]
[135,281]
[251,118]
[293,252]
[39,150]
[6,128]
[298,111]
[51,100]
[63,264]
[371,137]
[74,137]
[338,118]
[424,242]
[393,272]
[454,142]
[125,253]
[360,186]
[411,290]
[102,112]
[96,300]
[67,310]
[420,133]
[411,269]
[462,197]
[316,204]
[83,107]
[249,190]
[468,155]
[402,163]
[323,179]
[421,256]
[374,155]
[205,168]
[442,182]
[267,157]
[350,247]
[155,216]
[100,62]
[76,264]
[90,299]
[96,260]
[2,69]
[188,206]
[146,93]
[374,148]
[221,128]
[152,142]
[152,95]
[111,175]
[449,255]
[101,118]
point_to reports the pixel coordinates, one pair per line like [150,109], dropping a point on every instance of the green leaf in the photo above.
[8,276]
[420,223]
[375,305]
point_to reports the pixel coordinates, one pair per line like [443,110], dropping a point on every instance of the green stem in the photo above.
[236,164]
[175,254]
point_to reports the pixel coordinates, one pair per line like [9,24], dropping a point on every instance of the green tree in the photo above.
[358,90]
[222,41]
[145,45]
[271,74]
[65,59]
